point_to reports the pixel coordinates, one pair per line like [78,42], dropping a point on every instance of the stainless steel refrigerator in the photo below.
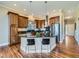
[55,31]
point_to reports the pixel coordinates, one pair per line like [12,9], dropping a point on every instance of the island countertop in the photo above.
[24,35]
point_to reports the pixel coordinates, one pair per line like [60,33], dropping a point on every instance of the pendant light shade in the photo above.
[31,17]
[46,23]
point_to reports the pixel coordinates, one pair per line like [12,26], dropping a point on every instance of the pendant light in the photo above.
[46,13]
[31,18]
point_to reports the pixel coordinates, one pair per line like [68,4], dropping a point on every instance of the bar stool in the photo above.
[30,44]
[45,42]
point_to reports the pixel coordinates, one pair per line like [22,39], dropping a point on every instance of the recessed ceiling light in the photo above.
[54,10]
[24,9]
[14,4]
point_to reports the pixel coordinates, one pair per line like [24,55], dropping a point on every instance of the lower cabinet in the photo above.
[14,39]
[38,47]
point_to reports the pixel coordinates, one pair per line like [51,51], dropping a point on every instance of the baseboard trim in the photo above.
[5,44]
[14,44]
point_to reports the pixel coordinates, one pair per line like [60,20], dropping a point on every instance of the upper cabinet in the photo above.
[22,22]
[40,23]
[13,18]
[53,20]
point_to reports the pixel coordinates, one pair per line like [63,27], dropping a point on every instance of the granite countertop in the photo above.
[24,35]
[35,37]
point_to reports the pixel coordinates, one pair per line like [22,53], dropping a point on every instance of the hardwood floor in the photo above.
[61,51]
[67,49]
[13,52]
[10,52]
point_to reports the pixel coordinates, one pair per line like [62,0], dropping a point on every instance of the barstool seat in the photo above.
[30,42]
[31,45]
[45,47]
[46,41]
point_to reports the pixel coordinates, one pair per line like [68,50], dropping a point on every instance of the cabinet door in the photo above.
[37,23]
[22,22]
[13,18]
[54,20]
[40,23]
[14,35]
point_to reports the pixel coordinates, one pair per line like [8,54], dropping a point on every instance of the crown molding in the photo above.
[13,10]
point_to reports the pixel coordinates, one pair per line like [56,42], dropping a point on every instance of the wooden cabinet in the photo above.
[37,25]
[16,21]
[40,23]
[13,18]
[22,22]
[53,20]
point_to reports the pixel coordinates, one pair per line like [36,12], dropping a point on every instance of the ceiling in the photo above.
[38,8]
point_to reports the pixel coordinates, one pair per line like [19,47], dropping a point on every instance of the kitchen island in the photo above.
[38,47]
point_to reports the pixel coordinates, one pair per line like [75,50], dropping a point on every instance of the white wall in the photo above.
[4,28]
[70,29]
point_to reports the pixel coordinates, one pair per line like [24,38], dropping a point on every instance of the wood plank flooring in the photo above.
[63,52]
[14,52]
[68,49]
[10,52]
